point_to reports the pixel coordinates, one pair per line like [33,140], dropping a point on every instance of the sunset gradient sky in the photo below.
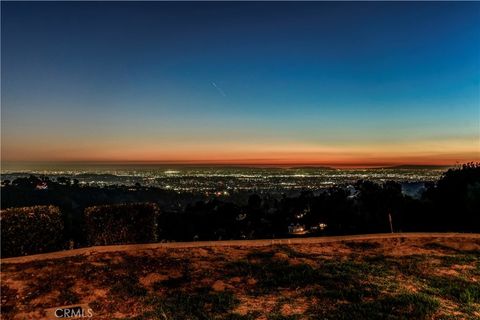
[241,83]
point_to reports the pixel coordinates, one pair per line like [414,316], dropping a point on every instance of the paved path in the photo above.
[230,243]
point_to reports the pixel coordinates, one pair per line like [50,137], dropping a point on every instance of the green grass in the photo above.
[461,259]
[342,280]
[461,290]
[201,304]
[353,292]
[274,274]
[347,280]
[412,266]
[399,307]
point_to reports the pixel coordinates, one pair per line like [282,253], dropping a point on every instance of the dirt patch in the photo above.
[220,286]
[148,280]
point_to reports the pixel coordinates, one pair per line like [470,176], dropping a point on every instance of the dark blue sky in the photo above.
[323,81]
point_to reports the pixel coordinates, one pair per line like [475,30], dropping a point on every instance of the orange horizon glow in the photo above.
[253,163]
[341,157]
[287,87]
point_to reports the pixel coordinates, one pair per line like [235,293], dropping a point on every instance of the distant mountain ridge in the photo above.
[418,166]
[314,167]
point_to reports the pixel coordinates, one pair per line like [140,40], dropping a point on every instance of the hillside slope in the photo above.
[424,276]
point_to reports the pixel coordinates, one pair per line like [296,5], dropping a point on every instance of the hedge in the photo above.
[30,230]
[122,223]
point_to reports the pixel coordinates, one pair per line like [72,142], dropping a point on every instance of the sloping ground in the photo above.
[407,276]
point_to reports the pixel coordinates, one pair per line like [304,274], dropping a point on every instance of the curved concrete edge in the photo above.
[230,243]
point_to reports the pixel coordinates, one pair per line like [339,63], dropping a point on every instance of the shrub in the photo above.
[121,224]
[30,230]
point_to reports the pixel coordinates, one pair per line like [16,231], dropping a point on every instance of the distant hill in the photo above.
[313,167]
[418,166]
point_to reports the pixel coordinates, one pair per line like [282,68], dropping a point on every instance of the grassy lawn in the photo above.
[364,280]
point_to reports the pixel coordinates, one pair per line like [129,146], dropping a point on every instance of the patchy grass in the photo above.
[366,281]
[462,259]
[201,304]
[362,245]
[274,274]
[401,306]
[292,252]
[127,286]
[439,247]
[461,290]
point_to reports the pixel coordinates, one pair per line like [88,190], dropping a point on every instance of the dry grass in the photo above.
[424,278]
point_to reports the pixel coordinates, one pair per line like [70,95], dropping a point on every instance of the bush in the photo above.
[122,223]
[30,230]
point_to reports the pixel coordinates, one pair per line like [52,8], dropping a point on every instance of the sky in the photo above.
[326,83]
